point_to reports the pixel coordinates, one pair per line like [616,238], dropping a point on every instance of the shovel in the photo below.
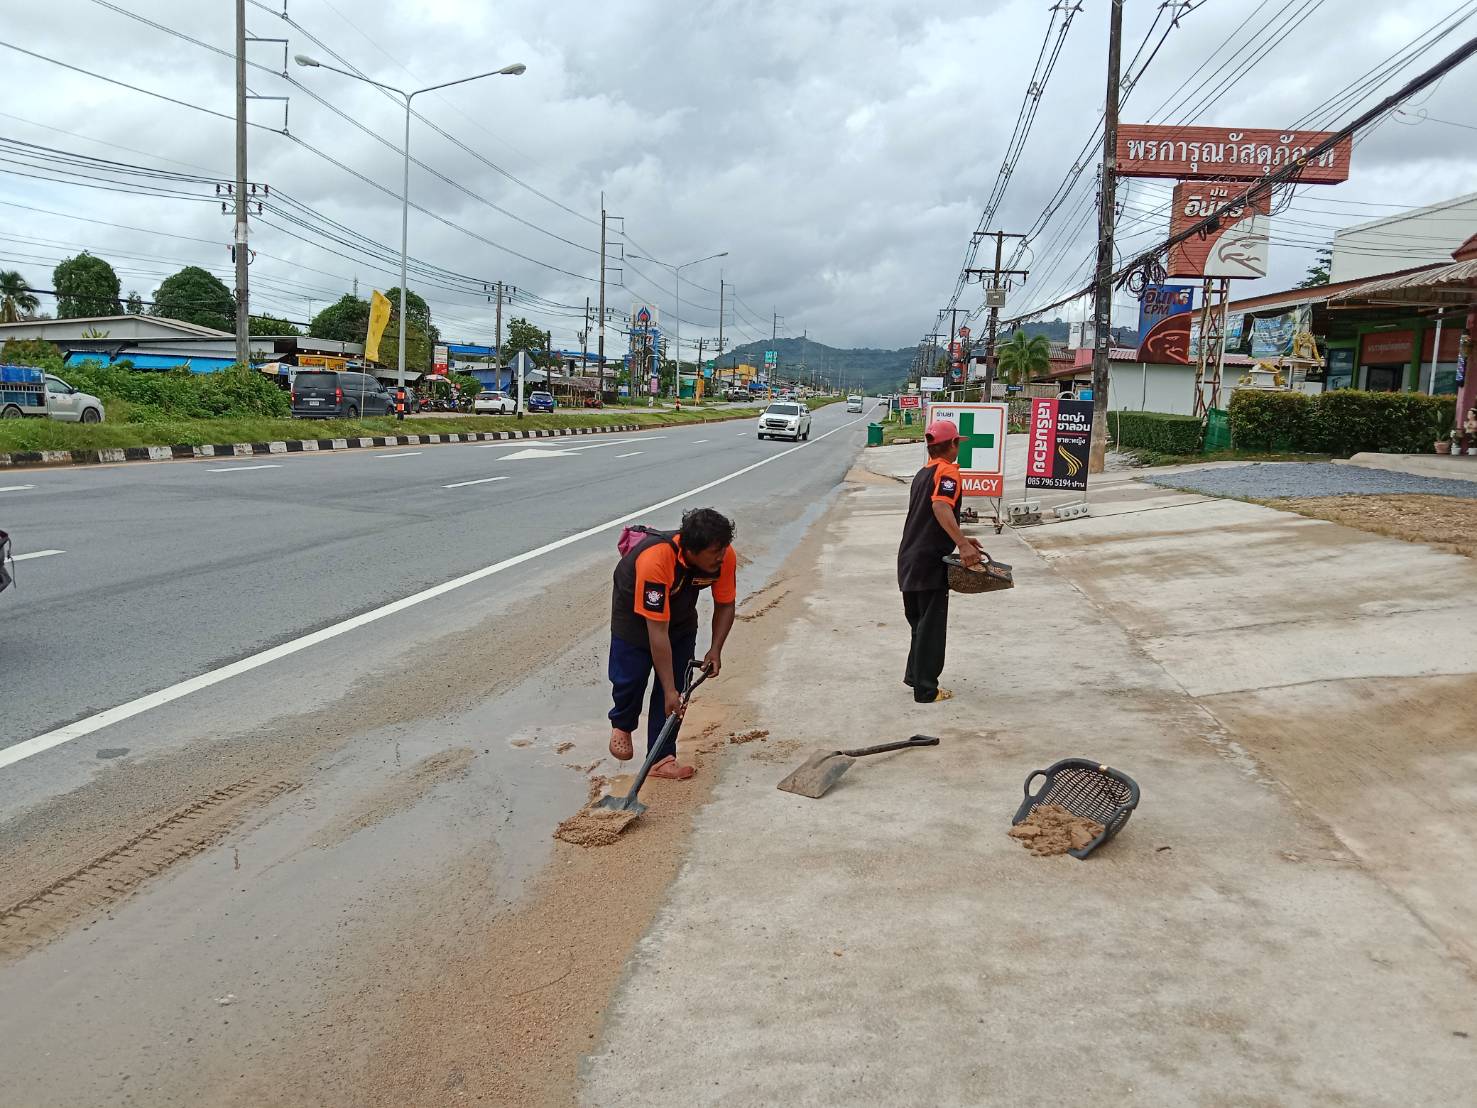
[628,806]
[824,768]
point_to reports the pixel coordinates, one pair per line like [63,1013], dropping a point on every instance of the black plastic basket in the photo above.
[1088,789]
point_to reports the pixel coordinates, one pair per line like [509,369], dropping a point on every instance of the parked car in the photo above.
[739,395]
[493,402]
[541,402]
[338,394]
[853,403]
[70,405]
[785,420]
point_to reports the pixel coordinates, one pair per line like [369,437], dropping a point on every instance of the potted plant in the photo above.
[1443,446]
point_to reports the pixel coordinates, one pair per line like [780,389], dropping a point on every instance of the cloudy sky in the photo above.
[840,152]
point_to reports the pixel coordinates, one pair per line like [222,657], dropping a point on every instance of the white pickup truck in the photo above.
[27,391]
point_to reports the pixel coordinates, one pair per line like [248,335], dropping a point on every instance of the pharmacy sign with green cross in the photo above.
[981,445]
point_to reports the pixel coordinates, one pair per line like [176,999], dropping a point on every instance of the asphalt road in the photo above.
[136,577]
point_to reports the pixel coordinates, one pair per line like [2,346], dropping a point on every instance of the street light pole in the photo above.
[506,71]
[677,325]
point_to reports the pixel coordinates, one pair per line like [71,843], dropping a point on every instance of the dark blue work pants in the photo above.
[630,670]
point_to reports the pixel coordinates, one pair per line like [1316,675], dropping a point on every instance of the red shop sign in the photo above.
[1387,348]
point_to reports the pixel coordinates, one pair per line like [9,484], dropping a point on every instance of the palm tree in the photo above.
[15,301]
[1023,357]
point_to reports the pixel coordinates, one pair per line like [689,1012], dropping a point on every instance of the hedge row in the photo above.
[133,396]
[1156,431]
[1342,423]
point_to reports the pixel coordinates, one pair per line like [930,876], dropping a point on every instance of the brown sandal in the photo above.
[620,745]
[672,770]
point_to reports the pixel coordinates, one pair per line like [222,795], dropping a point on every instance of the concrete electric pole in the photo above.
[1102,297]
[238,248]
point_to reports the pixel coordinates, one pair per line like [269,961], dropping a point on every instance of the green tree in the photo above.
[417,344]
[85,286]
[273,325]
[346,320]
[1022,357]
[37,352]
[135,304]
[15,301]
[523,335]
[1318,272]
[195,296]
[415,307]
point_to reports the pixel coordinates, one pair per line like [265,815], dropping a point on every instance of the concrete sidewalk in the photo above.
[889,944]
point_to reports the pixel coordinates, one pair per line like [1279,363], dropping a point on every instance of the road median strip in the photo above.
[116,454]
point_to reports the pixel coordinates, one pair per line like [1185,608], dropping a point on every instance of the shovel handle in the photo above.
[916,740]
[695,676]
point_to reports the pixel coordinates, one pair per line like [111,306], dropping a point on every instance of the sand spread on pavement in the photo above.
[748,736]
[1051,829]
[594,826]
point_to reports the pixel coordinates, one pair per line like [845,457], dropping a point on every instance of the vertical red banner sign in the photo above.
[1042,448]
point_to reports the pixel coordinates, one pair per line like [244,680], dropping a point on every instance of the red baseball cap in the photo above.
[941,431]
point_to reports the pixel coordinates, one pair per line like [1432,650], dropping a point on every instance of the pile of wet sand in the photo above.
[594,826]
[1051,829]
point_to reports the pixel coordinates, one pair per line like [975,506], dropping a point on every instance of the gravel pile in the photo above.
[1273,480]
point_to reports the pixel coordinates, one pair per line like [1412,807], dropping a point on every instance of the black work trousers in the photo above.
[928,616]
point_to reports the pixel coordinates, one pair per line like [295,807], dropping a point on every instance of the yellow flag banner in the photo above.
[379,318]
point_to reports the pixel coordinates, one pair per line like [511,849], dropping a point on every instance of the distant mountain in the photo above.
[866,368]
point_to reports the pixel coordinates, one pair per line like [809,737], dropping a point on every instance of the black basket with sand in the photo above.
[988,576]
[1087,790]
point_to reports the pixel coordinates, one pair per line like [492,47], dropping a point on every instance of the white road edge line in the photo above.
[243,469]
[632,454]
[36,554]
[479,481]
[20,751]
[402,454]
[16,488]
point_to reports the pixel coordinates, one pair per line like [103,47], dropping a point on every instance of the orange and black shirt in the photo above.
[654,582]
[920,554]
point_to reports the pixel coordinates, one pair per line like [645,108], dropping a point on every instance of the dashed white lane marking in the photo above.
[16,488]
[632,454]
[402,454]
[29,748]
[243,469]
[698,442]
[36,554]
[479,481]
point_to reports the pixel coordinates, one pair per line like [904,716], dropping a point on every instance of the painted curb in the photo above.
[115,454]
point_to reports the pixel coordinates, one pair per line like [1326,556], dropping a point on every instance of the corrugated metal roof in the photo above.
[1457,277]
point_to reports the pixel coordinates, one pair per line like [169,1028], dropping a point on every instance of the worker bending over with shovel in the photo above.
[653,624]
[930,532]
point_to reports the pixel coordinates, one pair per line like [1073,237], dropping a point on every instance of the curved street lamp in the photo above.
[514,70]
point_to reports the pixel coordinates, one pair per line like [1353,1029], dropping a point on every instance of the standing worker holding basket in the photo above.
[931,531]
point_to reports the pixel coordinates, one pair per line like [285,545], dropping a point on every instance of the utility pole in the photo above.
[602,302]
[721,297]
[585,343]
[1102,306]
[997,299]
[243,300]
[502,293]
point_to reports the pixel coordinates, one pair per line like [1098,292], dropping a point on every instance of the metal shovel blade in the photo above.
[818,773]
[825,767]
[627,803]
